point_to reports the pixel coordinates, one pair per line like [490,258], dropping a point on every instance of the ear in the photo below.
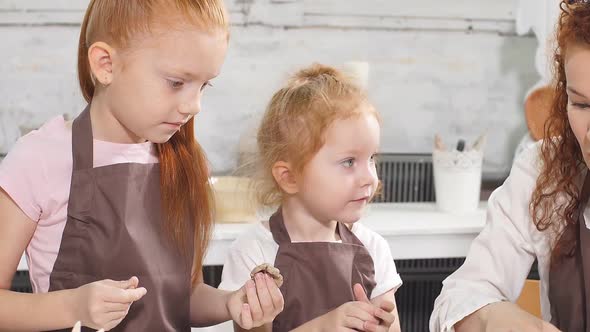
[284,175]
[100,57]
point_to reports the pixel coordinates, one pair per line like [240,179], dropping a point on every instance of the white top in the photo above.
[500,258]
[257,246]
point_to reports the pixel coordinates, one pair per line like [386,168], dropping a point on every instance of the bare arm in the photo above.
[503,316]
[474,322]
[16,230]
[208,305]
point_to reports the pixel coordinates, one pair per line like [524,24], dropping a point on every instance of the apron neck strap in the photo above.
[278,229]
[347,235]
[82,147]
[281,236]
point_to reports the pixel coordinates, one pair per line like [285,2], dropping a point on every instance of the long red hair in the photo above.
[185,189]
[555,199]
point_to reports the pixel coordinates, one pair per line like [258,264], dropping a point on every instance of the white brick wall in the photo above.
[453,67]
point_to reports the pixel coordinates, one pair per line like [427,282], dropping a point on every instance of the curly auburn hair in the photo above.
[561,159]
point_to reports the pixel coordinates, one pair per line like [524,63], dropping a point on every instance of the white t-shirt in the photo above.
[257,246]
[500,258]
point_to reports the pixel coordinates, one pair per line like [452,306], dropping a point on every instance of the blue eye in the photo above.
[348,163]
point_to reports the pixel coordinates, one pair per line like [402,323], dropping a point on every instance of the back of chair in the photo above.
[529,299]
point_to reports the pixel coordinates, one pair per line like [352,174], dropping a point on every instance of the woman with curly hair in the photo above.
[541,212]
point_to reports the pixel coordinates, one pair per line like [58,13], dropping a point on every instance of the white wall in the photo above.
[454,67]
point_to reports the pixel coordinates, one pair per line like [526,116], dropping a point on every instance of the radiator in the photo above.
[405,178]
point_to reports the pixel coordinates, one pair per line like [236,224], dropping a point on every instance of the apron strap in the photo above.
[82,144]
[278,229]
[280,234]
[347,236]
[584,245]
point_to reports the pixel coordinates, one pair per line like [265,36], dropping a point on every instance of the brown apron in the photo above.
[114,231]
[318,276]
[569,279]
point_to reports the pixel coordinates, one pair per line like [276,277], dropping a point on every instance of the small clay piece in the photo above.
[272,271]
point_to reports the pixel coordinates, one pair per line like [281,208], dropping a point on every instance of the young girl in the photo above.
[317,142]
[541,212]
[120,199]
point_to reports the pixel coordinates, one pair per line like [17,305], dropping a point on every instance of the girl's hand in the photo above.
[349,317]
[104,304]
[256,303]
[383,313]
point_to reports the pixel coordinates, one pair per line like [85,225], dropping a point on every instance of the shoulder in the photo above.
[42,149]
[51,142]
[374,242]
[256,243]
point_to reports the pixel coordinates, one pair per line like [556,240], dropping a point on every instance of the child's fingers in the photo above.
[125,295]
[133,282]
[123,284]
[359,325]
[360,294]
[363,311]
[386,316]
[246,317]
[135,294]
[275,295]
[252,297]
[370,327]
[263,294]
[387,306]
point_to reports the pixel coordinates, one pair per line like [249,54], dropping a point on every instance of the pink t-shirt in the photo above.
[37,175]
